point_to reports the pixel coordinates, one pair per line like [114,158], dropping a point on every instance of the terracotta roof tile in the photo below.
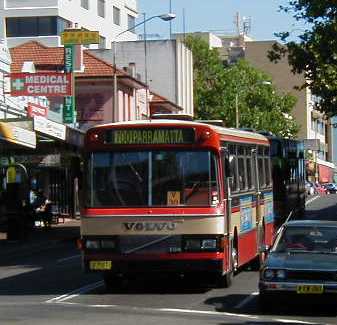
[53,56]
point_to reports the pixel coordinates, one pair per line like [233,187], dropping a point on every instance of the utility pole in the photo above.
[170,10]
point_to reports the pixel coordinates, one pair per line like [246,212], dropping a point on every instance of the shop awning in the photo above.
[17,135]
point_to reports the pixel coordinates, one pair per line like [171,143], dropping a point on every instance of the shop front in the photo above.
[15,215]
[53,166]
[325,171]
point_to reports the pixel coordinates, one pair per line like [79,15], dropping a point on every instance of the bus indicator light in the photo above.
[93,137]
[205,135]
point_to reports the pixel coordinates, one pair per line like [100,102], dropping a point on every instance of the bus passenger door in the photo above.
[259,211]
[228,237]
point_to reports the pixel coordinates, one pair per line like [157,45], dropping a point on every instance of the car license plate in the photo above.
[310,289]
[100,265]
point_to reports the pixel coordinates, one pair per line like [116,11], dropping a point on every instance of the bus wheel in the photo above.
[224,280]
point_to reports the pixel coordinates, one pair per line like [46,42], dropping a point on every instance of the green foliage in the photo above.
[216,88]
[315,54]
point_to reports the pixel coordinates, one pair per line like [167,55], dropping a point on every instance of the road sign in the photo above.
[69,109]
[41,84]
[311,144]
[72,37]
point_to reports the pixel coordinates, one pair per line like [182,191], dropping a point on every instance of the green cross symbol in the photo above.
[18,84]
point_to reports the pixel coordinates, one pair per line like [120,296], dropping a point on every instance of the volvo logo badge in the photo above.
[150,226]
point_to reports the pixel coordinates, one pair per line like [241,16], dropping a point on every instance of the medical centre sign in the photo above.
[52,84]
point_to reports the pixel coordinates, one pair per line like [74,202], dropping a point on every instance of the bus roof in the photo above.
[231,132]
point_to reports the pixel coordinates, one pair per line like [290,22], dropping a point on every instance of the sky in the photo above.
[219,16]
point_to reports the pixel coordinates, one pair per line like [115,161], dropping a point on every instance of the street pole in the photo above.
[114,114]
[171,20]
[237,123]
[165,17]
[237,112]
[316,152]
[145,67]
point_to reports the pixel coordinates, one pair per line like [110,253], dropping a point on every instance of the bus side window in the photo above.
[242,168]
[260,167]
[227,171]
[267,166]
[233,166]
[250,169]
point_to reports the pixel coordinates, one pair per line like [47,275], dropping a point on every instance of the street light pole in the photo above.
[237,118]
[165,17]
[145,67]
[237,112]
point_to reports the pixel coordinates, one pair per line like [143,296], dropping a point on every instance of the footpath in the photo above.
[42,238]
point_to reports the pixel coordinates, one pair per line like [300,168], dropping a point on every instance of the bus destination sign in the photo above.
[150,136]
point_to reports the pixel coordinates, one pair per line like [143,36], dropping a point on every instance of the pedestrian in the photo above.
[43,209]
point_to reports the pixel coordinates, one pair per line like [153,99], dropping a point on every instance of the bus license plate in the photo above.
[310,289]
[100,265]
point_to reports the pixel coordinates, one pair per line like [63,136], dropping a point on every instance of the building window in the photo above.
[101,8]
[85,4]
[31,26]
[131,23]
[62,24]
[117,16]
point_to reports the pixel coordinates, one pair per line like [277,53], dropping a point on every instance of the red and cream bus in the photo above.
[174,196]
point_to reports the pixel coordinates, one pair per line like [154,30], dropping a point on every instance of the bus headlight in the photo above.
[208,244]
[108,243]
[280,274]
[199,244]
[192,244]
[92,244]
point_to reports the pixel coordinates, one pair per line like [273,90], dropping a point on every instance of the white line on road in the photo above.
[282,320]
[246,300]
[312,199]
[196,312]
[61,260]
[76,292]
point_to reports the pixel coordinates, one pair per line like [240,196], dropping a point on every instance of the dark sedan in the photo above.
[301,263]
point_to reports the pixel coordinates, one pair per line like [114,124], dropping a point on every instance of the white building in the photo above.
[10,107]
[168,66]
[44,20]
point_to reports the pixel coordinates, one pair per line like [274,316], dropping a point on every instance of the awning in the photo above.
[17,135]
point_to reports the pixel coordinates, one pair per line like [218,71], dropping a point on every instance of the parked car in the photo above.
[331,187]
[302,263]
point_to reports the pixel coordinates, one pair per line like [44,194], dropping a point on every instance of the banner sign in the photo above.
[72,37]
[50,84]
[17,135]
[311,144]
[36,110]
[48,127]
[69,109]
[150,136]
[69,58]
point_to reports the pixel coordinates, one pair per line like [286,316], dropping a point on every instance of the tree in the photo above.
[217,86]
[315,55]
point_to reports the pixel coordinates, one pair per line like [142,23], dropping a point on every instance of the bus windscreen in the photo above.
[152,178]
